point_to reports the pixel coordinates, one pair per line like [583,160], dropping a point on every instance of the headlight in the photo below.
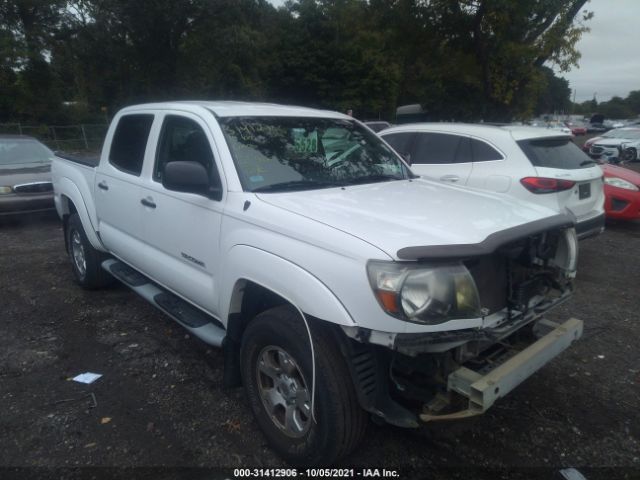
[424,293]
[5,190]
[620,183]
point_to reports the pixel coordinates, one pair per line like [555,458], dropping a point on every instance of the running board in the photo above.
[199,323]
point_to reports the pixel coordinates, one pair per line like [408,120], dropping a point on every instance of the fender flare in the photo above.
[288,280]
[69,189]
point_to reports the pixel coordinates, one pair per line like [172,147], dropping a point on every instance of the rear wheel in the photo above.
[277,373]
[85,260]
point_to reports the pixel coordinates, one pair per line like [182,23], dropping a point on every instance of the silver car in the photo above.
[25,175]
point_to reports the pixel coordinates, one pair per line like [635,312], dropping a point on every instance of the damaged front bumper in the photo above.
[483,388]
[452,375]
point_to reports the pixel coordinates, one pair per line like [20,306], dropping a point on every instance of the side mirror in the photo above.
[188,177]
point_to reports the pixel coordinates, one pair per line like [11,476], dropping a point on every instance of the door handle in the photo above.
[450,178]
[103,185]
[148,202]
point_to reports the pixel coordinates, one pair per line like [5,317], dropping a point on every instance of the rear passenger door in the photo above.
[182,229]
[490,169]
[117,186]
[441,156]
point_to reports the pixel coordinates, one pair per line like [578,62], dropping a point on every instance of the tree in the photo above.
[616,108]
[30,27]
[461,59]
[487,55]
[633,102]
[555,94]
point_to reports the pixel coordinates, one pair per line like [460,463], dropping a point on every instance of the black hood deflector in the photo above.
[489,244]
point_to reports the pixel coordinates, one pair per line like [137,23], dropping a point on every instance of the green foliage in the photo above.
[554,94]
[461,59]
[617,108]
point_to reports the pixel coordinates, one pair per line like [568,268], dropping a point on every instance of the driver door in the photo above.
[182,229]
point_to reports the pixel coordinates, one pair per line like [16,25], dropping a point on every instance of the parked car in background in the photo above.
[576,128]
[529,163]
[597,128]
[25,175]
[559,127]
[622,192]
[631,151]
[610,145]
[377,125]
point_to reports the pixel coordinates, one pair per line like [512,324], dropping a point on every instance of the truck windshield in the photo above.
[276,154]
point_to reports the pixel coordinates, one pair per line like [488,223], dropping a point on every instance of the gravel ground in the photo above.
[161,403]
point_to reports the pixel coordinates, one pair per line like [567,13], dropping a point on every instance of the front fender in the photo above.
[286,279]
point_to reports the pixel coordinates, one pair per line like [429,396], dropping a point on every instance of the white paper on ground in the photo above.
[572,474]
[87,377]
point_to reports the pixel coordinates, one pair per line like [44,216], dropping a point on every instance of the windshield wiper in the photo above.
[295,185]
[587,162]
[371,179]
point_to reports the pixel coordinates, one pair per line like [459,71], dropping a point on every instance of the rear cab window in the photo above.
[130,142]
[555,152]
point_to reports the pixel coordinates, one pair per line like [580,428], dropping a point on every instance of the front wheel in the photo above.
[85,260]
[277,373]
[629,154]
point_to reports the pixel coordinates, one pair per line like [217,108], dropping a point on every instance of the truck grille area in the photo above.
[519,273]
[490,274]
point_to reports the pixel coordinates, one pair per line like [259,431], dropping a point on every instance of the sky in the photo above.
[610,63]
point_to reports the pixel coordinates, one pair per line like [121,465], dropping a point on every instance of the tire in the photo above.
[85,260]
[341,422]
[630,154]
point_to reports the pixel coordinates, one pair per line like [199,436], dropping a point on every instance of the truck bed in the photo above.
[86,160]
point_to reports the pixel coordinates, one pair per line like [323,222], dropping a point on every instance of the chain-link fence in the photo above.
[67,138]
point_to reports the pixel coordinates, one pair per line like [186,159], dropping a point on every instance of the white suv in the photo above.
[532,164]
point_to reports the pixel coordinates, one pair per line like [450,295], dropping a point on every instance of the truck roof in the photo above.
[240,109]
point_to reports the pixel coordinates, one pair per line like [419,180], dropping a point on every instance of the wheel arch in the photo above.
[265,272]
[72,201]
[259,280]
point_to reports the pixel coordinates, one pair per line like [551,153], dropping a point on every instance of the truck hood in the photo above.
[398,215]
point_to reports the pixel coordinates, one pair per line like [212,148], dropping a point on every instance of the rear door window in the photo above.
[464,154]
[130,142]
[435,148]
[483,152]
[555,153]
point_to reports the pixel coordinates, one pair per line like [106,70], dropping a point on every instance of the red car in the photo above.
[622,193]
[576,128]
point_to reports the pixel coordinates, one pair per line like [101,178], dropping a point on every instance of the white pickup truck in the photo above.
[339,284]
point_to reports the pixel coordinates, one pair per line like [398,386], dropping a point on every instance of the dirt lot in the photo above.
[160,402]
